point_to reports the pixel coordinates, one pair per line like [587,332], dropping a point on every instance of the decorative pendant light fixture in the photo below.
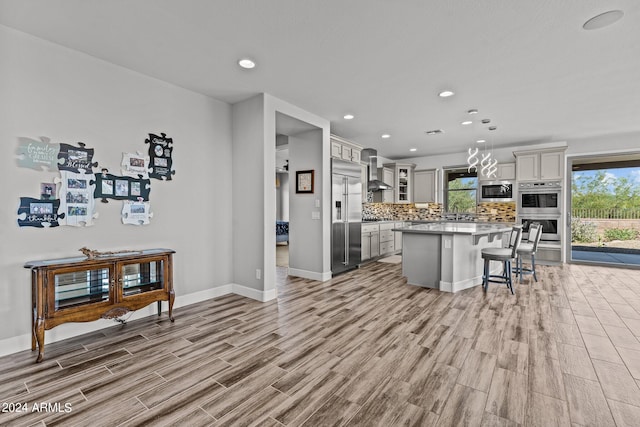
[488,165]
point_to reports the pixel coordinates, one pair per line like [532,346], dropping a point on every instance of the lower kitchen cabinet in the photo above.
[370,241]
[101,286]
[398,237]
[387,238]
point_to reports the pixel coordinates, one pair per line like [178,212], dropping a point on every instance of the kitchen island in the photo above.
[446,255]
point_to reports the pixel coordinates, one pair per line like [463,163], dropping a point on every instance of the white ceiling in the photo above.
[525,64]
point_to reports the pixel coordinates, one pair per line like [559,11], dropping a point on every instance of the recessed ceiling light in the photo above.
[348,116]
[466,122]
[434,132]
[486,121]
[480,141]
[445,94]
[603,20]
[413,149]
[246,63]
[472,111]
[385,136]
[493,127]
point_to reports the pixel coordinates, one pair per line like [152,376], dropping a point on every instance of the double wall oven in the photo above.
[540,202]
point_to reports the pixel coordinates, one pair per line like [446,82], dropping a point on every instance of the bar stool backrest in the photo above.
[535,233]
[514,239]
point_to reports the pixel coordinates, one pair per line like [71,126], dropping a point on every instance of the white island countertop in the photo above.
[446,227]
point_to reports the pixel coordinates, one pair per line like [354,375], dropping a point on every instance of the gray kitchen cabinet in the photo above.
[344,149]
[398,237]
[403,181]
[387,238]
[370,242]
[505,172]
[540,165]
[425,186]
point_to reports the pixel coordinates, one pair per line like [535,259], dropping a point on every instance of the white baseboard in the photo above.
[69,330]
[255,294]
[312,275]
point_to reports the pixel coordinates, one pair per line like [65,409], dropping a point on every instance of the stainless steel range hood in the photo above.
[370,157]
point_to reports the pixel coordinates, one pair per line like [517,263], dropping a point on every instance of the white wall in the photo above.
[305,153]
[48,90]
[248,183]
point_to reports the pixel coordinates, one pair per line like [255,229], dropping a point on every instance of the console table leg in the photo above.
[159,308]
[33,330]
[39,332]
[172,297]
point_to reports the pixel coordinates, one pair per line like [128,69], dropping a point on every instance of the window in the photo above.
[460,191]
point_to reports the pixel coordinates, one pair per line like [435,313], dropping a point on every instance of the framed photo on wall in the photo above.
[304,181]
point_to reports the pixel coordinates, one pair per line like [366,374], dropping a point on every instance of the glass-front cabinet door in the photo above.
[141,277]
[403,185]
[74,288]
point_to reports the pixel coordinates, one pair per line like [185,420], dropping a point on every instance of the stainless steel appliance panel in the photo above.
[497,191]
[537,198]
[346,215]
[550,226]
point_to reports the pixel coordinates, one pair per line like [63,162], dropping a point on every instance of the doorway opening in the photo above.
[298,147]
[604,203]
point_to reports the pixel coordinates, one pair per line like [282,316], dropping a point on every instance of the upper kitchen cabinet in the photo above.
[403,181]
[540,165]
[425,183]
[505,172]
[344,149]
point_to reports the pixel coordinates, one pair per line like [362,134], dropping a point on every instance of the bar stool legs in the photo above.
[505,277]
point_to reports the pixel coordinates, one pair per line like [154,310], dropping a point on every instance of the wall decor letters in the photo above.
[136,212]
[135,165]
[108,186]
[160,151]
[39,213]
[76,198]
[36,154]
[76,159]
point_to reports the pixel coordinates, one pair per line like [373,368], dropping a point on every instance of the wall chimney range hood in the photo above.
[370,157]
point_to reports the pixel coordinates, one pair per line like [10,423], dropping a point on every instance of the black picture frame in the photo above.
[304,181]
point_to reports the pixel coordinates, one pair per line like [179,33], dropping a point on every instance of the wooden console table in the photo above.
[82,290]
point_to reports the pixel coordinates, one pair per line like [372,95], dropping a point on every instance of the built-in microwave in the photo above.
[496,191]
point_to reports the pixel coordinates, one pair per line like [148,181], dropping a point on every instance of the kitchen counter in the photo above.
[446,255]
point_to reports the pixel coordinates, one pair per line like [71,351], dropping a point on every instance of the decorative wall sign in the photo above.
[135,165]
[76,198]
[76,159]
[136,213]
[37,155]
[160,150]
[108,186]
[39,213]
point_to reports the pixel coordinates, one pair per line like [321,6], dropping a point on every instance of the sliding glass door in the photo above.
[604,204]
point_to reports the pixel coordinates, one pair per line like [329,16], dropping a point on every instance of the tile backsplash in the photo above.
[485,212]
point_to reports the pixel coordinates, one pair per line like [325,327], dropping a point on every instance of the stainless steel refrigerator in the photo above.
[346,215]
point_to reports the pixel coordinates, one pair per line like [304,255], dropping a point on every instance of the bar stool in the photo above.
[529,248]
[504,255]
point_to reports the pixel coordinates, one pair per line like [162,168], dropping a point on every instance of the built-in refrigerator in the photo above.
[346,215]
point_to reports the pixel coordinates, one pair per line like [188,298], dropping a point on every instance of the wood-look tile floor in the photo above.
[362,349]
